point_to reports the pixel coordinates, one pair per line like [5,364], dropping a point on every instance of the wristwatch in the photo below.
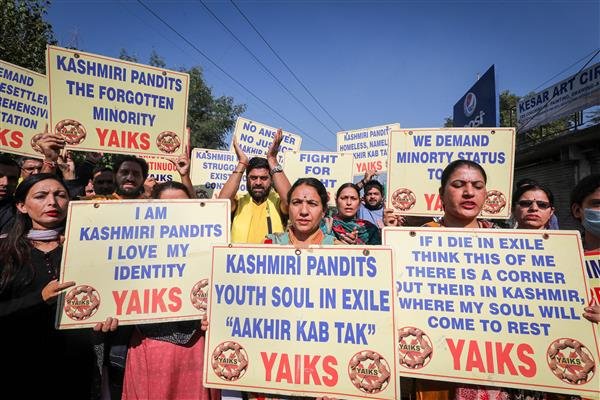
[276,169]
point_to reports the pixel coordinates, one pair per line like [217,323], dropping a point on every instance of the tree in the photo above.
[508,106]
[209,118]
[24,33]
[156,60]
[123,55]
[448,122]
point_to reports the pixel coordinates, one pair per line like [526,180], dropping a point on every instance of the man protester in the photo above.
[371,208]
[29,166]
[261,211]
[9,177]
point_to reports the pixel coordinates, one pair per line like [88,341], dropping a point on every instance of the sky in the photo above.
[368,63]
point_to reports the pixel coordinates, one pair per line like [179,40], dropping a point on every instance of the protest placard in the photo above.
[255,138]
[592,268]
[332,169]
[315,321]
[368,145]
[109,105]
[210,170]
[494,307]
[161,169]
[140,261]
[417,158]
[23,110]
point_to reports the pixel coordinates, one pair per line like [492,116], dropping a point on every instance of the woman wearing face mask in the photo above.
[533,207]
[40,360]
[585,207]
[345,226]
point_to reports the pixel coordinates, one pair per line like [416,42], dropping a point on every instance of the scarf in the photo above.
[44,235]
[367,232]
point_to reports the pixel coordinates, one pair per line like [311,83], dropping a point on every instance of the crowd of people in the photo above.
[165,361]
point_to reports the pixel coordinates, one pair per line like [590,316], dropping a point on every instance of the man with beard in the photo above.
[131,172]
[261,211]
[371,209]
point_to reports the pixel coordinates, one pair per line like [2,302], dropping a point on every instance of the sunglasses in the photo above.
[542,205]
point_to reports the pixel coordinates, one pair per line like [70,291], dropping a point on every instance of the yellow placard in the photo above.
[255,138]
[592,268]
[314,321]
[417,158]
[494,307]
[332,169]
[161,169]
[23,110]
[368,145]
[109,105]
[140,261]
[210,170]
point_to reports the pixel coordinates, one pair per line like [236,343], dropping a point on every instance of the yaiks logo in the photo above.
[470,104]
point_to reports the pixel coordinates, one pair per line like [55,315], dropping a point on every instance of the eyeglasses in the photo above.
[542,205]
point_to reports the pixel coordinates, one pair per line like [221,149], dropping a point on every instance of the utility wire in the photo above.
[566,69]
[225,72]
[285,64]
[264,66]
[553,95]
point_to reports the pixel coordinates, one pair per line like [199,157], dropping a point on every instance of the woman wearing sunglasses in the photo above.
[533,206]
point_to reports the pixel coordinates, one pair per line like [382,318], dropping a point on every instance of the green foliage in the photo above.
[448,122]
[156,60]
[24,33]
[209,117]
[123,55]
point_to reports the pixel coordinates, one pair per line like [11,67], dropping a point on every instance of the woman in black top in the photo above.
[38,359]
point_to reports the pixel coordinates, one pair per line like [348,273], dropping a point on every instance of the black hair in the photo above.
[526,181]
[15,249]
[169,185]
[521,190]
[101,169]
[140,161]
[312,182]
[584,188]
[257,162]
[8,161]
[456,164]
[374,184]
[347,185]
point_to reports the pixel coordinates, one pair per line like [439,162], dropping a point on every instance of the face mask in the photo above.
[591,221]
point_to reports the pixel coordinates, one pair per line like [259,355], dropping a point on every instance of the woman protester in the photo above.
[166,361]
[533,207]
[585,207]
[41,361]
[463,193]
[345,226]
[307,199]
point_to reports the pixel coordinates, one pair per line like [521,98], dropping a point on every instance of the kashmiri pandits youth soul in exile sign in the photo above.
[418,156]
[210,170]
[23,110]
[494,307]
[368,145]
[255,138]
[139,261]
[332,169]
[105,104]
[316,321]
